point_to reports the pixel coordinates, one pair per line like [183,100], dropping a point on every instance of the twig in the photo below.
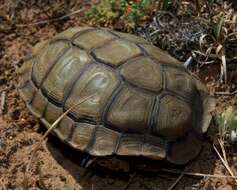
[198,174]
[226,93]
[129,181]
[223,150]
[198,8]
[223,69]
[50,20]
[225,163]
[3,102]
[3,185]
[176,182]
[6,89]
[41,180]
[25,181]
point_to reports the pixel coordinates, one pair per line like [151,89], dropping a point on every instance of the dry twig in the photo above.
[176,181]
[50,20]
[3,185]
[225,93]
[198,174]
[224,162]
[3,102]
[41,180]
[129,181]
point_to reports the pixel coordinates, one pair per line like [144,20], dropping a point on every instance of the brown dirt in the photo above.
[56,167]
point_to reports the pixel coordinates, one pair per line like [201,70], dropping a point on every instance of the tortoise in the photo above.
[146,102]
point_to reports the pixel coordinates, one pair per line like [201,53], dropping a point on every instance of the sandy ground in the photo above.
[56,166]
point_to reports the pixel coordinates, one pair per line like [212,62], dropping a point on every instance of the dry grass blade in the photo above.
[223,149]
[176,182]
[50,20]
[129,181]
[25,182]
[220,51]
[3,102]
[225,163]
[223,68]
[226,93]
[3,185]
[198,174]
[41,178]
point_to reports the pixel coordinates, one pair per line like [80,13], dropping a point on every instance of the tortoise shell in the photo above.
[146,103]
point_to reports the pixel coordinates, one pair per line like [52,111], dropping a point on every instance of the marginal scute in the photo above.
[154,147]
[26,67]
[179,82]
[65,128]
[116,52]
[97,81]
[39,47]
[175,117]
[64,72]
[104,141]
[69,33]
[25,73]
[52,113]
[144,73]
[46,59]
[38,104]
[130,145]
[131,37]
[130,111]
[82,135]
[27,91]
[93,39]
[161,56]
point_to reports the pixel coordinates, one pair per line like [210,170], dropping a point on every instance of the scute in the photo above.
[38,104]
[175,117]
[144,73]
[142,145]
[46,59]
[82,135]
[116,52]
[40,46]
[52,113]
[65,72]
[28,91]
[130,145]
[71,32]
[97,80]
[105,141]
[154,147]
[130,111]
[93,38]
[64,129]
[131,37]
[179,82]
[160,55]
[26,87]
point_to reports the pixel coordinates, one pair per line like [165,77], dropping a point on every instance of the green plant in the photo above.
[126,13]
[227,124]
[217,24]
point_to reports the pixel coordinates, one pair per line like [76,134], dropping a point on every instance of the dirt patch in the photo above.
[55,166]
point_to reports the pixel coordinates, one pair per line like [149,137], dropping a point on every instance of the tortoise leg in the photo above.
[182,151]
[113,164]
[87,161]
